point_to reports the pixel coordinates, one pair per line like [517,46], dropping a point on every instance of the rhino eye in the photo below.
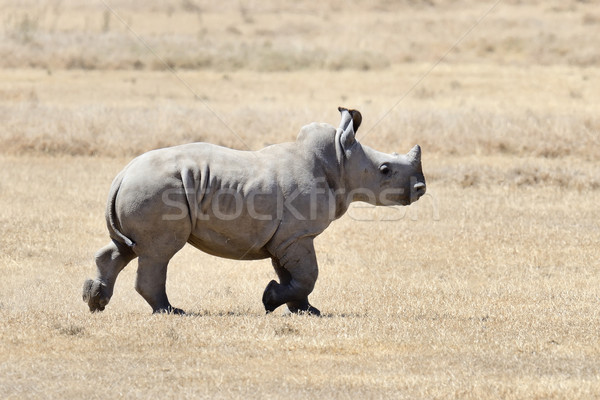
[384,169]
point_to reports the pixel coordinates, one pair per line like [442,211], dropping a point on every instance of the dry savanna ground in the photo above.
[488,287]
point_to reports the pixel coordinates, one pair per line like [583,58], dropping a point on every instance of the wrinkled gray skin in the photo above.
[287,194]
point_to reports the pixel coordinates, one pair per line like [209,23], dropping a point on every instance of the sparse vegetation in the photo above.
[485,288]
[279,36]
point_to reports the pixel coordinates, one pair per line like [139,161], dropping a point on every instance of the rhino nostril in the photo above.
[419,187]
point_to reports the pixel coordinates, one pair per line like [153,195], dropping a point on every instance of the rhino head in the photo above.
[375,177]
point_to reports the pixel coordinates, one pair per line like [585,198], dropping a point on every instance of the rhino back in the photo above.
[256,218]
[239,205]
[236,199]
[237,202]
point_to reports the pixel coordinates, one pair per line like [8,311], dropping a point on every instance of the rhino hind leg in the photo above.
[151,284]
[110,261]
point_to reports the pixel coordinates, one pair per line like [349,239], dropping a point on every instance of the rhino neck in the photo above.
[355,171]
[334,172]
[322,142]
[359,179]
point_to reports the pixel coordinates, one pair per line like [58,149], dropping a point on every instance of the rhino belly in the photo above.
[233,241]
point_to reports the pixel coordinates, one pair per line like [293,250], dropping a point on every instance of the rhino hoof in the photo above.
[93,295]
[267,298]
[309,310]
[169,310]
[313,311]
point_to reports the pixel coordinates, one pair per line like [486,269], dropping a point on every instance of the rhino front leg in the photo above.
[284,279]
[151,284]
[297,271]
[110,260]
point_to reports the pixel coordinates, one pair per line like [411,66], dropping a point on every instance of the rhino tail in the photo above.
[111,213]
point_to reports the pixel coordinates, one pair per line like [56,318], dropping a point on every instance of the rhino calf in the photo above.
[245,205]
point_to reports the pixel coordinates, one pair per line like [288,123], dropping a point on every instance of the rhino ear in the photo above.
[347,139]
[356,119]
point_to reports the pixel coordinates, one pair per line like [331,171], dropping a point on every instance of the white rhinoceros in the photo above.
[245,205]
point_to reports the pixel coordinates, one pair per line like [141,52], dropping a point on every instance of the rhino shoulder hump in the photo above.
[315,130]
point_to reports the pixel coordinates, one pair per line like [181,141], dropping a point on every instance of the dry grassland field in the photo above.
[487,287]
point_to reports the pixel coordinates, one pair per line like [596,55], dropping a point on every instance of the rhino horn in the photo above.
[415,154]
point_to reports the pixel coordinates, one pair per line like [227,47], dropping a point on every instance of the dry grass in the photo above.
[458,110]
[278,36]
[485,288]
[493,295]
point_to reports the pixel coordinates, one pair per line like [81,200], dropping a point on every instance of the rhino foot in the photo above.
[308,309]
[268,298]
[94,295]
[271,301]
[169,310]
